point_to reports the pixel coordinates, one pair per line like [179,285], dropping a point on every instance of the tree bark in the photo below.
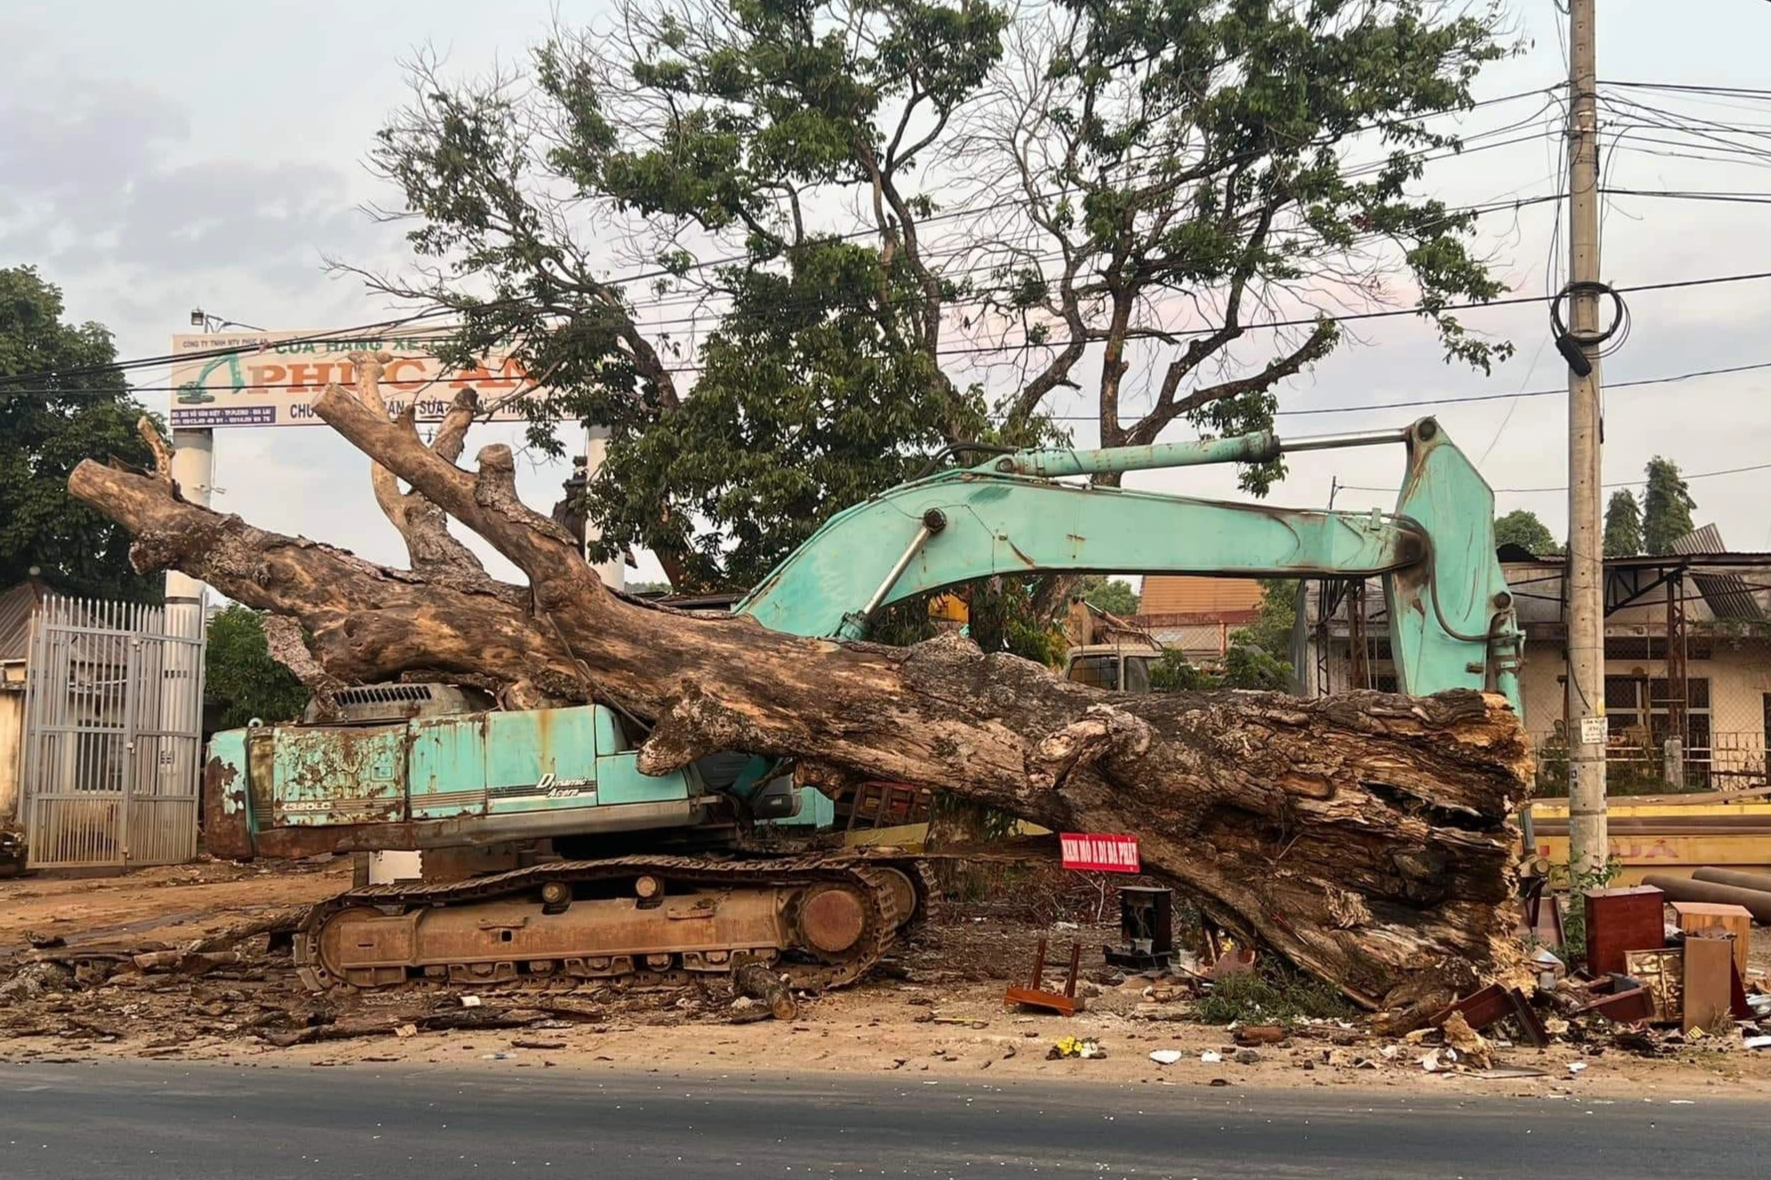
[759,983]
[1365,837]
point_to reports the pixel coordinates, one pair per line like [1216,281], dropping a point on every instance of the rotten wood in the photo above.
[1365,837]
[275,922]
[759,983]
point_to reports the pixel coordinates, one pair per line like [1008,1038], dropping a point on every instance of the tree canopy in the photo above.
[241,680]
[72,406]
[1521,527]
[1623,525]
[855,233]
[1666,506]
[1113,595]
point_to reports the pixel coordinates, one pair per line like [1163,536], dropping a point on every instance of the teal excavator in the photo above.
[608,873]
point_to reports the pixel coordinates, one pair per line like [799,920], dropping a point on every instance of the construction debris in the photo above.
[1034,995]
[759,983]
[1075,1047]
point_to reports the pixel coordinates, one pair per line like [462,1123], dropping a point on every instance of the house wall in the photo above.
[12,733]
[1738,673]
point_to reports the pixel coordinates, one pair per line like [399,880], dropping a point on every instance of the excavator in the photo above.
[618,875]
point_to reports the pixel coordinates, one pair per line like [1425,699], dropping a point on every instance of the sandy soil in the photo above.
[933,1009]
[163,904]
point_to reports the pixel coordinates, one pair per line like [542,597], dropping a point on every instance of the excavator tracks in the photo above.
[820,920]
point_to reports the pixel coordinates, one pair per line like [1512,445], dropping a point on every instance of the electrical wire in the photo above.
[353,334]
[1632,483]
[1350,317]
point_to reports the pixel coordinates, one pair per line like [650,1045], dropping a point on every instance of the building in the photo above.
[17,605]
[1687,658]
[1195,614]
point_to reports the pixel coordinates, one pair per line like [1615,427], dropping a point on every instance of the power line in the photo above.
[1300,412]
[1744,198]
[351,335]
[1388,313]
[1628,483]
[1691,88]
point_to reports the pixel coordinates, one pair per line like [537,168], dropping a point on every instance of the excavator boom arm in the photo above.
[1450,615]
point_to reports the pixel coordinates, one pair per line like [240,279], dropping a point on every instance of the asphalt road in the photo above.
[120,1120]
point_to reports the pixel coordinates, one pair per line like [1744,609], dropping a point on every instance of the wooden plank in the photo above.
[1709,967]
[1735,920]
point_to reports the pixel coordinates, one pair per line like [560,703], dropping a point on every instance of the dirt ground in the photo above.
[933,1009]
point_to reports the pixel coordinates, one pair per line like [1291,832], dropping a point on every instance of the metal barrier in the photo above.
[112,734]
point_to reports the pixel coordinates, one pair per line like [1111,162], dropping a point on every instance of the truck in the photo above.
[554,855]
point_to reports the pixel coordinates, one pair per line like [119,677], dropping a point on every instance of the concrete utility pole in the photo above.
[1588,834]
[596,448]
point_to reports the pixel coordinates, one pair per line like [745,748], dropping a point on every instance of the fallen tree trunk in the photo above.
[1365,837]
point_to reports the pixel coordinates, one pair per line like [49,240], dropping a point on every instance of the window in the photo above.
[1636,711]
[1137,674]
[1097,671]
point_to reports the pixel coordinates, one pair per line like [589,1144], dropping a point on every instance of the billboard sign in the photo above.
[272,378]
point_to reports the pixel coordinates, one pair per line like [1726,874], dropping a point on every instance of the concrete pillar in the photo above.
[596,448]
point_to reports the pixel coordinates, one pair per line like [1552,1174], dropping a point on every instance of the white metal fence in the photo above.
[113,734]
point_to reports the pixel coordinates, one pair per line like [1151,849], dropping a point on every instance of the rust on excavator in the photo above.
[227,828]
[820,919]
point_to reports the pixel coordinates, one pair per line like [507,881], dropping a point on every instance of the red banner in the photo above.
[1100,854]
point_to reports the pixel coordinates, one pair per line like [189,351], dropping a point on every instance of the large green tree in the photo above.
[60,402]
[1623,525]
[1521,527]
[1113,595]
[1666,506]
[241,682]
[874,228]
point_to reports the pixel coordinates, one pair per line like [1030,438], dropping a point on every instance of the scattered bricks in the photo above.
[1260,1034]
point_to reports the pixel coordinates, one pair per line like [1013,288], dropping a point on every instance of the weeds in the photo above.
[1574,914]
[1272,994]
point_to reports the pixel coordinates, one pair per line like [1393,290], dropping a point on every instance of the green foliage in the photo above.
[46,428]
[1258,655]
[1198,148]
[1272,628]
[1623,525]
[1244,667]
[1566,879]
[240,679]
[803,407]
[1113,595]
[1005,614]
[1255,667]
[1521,527]
[1273,993]
[1666,506]
[1175,673]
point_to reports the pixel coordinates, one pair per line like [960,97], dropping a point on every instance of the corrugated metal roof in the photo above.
[1727,594]
[17,604]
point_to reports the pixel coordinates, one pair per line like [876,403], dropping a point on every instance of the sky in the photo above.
[153,160]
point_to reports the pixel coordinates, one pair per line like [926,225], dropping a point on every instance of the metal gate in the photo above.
[113,729]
